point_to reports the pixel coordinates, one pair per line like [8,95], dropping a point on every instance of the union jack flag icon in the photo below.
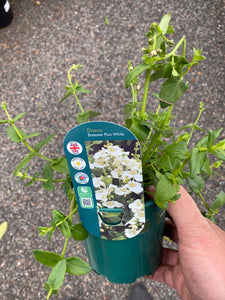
[74,148]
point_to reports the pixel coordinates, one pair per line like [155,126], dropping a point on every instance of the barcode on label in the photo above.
[86,202]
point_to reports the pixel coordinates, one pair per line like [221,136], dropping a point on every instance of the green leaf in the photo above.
[173,155]
[47,171]
[171,91]
[196,184]
[76,266]
[203,142]
[49,259]
[33,135]
[164,23]
[135,72]
[197,55]
[48,174]
[82,90]
[212,136]
[166,191]
[33,179]
[67,94]
[65,226]
[218,150]
[197,161]
[157,75]
[84,117]
[219,202]
[206,167]
[23,163]
[140,131]
[78,232]
[56,277]
[13,135]
[60,165]
[48,185]
[3,228]
[194,126]
[220,154]
[19,116]
[170,30]
[107,21]
[38,146]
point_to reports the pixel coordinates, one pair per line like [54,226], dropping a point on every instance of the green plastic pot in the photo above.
[126,260]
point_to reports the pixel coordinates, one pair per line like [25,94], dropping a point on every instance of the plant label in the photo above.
[105,166]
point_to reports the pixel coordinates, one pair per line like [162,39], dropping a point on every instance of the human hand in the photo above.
[197,269]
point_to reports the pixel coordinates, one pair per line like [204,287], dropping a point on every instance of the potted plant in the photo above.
[166,157]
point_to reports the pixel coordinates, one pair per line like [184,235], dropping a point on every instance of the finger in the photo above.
[170,230]
[151,191]
[169,257]
[164,274]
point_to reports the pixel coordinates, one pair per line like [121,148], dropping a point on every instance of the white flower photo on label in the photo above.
[135,187]
[112,204]
[117,178]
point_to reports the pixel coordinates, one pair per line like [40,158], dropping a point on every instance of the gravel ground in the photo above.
[36,50]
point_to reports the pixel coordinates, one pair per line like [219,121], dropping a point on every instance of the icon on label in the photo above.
[81,178]
[85,196]
[74,148]
[78,163]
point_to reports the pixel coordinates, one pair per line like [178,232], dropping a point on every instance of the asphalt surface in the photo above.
[36,50]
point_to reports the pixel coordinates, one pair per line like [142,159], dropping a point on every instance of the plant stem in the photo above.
[184,48]
[65,246]
[150,132]
[49,293]
[24,140]
[175,48]
[73,87]
[178,170]
[196,122]
[203,200]
[153,144]
[145,94]
[78,101]
[70,216]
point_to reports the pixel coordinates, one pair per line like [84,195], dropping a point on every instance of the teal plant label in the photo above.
[105,165]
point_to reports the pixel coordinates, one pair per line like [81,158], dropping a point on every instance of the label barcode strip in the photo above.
[86,202]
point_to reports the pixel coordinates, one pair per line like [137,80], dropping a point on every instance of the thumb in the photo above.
[185,212]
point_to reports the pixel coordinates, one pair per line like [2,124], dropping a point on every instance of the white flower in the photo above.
[133,222]
[91,166]
[101,154]
[115,150]
[140,215]
[123,190]
[134,186]
[116,173]
[112,204]
[101,162]
[132,232]
[138,177]
[136,205]
[102,194]
[97,182]
[133,174]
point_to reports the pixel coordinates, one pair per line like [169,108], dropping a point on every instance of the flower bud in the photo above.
[144,50]
[153,53]
[4,106]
